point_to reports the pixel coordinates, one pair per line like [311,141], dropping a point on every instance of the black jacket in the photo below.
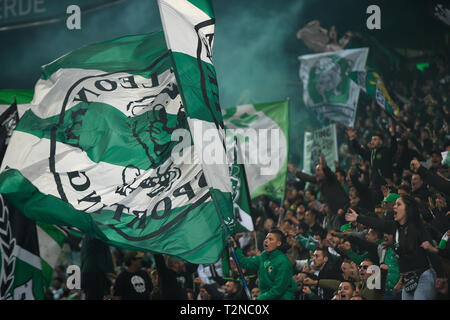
[331,270]
[170,288]
[411,256]
[434,180]
[380,161]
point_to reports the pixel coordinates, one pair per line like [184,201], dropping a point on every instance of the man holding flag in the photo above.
[274,268]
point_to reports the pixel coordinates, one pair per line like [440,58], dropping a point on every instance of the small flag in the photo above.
[263,134]
[372,84]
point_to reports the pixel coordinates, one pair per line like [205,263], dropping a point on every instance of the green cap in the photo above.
[391,197]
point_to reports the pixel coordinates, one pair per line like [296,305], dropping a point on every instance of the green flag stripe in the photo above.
[104,130]
[22,96]
[202,94]
[182,243]
[27,275]
[204,5]
[47,272]
[125,53]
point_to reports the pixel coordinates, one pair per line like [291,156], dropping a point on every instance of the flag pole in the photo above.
[241,273]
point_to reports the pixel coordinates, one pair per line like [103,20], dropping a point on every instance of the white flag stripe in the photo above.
[27,256]
[246,220]
[49,249]
[3,107]
[208,143]
[52,92]
[104,177]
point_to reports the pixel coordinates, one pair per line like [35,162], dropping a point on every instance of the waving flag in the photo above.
[96,151]
[372,84]
[327,88]
[263,133]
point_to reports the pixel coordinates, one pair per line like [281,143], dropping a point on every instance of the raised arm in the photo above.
[382,225]
[301,175]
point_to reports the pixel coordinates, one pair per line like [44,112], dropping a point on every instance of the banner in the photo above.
[322,141]
[372,84]
[327,89]
[263,134]
[94,152]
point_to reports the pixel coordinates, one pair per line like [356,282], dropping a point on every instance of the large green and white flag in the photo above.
[96,151]
[372,84]
[327,89]
[320,142]
[21,276]
[263,134]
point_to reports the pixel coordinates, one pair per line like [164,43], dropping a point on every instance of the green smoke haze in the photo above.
[255,48]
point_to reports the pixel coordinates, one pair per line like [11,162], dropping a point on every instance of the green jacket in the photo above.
[393,275]
[274,274]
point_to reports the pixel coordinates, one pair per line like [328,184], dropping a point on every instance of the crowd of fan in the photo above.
[334,223]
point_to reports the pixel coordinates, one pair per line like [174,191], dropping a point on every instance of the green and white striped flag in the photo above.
[96,151]
[372,84]
[327,88]
[263,134]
